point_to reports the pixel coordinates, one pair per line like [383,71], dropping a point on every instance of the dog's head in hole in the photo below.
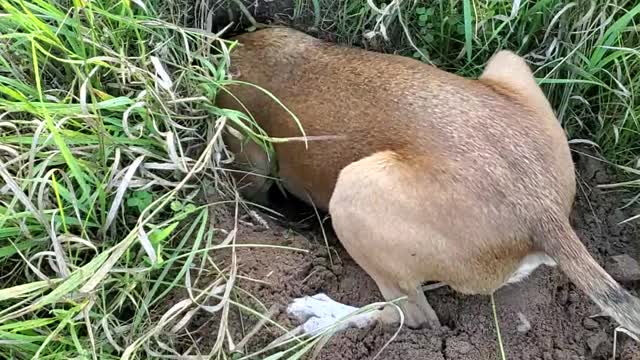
[427,176]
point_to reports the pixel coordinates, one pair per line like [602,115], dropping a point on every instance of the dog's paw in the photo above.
[318,312]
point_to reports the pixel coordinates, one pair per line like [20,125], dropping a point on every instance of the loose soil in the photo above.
[543,317]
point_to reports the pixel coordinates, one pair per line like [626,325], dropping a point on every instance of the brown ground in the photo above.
[558,313]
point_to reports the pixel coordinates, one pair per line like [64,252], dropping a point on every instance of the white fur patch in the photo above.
[319,311]
[528,264]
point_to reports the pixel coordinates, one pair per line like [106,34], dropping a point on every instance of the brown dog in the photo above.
[432,177]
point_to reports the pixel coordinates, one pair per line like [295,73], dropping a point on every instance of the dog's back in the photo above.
[501,146]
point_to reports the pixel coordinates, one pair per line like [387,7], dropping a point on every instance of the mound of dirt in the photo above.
[544,317]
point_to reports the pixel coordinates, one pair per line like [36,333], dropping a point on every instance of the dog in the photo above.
[427,176]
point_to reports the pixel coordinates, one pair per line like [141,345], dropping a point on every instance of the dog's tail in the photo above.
[556,237]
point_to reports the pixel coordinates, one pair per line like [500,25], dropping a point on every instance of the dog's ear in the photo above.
[509,74]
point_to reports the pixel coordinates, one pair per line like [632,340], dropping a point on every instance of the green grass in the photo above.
[110,145]
[109,137]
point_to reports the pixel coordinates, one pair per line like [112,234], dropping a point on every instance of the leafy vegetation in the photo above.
[108,136]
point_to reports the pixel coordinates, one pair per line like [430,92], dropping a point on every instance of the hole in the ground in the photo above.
[233,14]
[297,214]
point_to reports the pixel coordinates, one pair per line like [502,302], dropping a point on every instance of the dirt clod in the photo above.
[590,324]
[458,347]
[524,325]
[559,354]
[596,342]
[623,268]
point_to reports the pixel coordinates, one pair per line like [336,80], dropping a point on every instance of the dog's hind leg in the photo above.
[373,211]
[416,309]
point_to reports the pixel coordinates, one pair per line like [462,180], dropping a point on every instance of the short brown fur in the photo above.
[432,177]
